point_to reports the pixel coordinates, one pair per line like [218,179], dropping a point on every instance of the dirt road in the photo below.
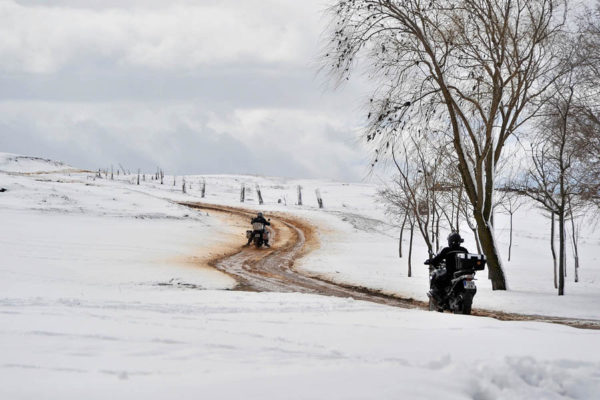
[272,270]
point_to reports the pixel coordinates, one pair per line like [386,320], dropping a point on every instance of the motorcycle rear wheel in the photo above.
[465,308]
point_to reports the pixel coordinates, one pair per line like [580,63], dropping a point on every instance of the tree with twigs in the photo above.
[559,164]
[473,70]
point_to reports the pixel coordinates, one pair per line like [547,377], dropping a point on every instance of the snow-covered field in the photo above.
[105,293]
[359,245]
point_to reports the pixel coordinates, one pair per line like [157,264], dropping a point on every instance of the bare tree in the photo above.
[558,164]
[473,68]
[400,208]
[510,200]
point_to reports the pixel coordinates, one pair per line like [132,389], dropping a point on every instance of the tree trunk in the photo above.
[561,253]
[476,240]
[410,248]
[437,234]
[574,238]
[575,249]
[401,234]
[553,252]
[486,237]
[510,237]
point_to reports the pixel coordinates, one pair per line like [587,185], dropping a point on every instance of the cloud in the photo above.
[177,36]
[195,86]
[182,138]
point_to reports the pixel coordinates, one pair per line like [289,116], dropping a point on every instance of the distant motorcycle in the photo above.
[259,234]
[458,296]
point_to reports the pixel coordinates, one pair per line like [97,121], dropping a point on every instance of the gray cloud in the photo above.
[194,86]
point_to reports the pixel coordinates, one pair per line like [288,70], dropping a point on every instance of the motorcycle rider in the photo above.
[442,277]
[261,219]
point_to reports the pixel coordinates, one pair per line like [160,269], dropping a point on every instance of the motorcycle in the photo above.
[458,296]
[259,234]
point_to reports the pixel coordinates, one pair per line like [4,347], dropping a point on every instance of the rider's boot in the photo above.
[435,295]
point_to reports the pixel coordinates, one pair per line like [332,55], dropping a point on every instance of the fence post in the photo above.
[259,194]
[242,193]
[319,198]
[299,195]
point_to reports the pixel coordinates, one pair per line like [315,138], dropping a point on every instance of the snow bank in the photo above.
[227,345]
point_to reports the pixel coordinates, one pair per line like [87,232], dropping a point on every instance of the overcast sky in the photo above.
[195,86]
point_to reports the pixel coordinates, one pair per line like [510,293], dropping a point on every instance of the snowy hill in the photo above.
[106,293]
[25,164]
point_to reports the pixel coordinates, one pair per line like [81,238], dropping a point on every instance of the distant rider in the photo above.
[442,277]
[259,218]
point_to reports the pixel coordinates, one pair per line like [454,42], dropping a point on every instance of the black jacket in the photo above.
[448,254]
[262,220]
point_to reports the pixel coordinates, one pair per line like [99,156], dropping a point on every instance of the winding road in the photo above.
[272,270]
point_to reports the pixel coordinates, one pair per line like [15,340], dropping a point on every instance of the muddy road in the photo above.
[272,269]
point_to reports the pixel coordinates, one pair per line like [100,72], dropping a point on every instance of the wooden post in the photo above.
[259,194]
[162,176]
[319,198]
[299,195]
[138,177]
[112,173]
[242,193]
[183,186]
[203,191]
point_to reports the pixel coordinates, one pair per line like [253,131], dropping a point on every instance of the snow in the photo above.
[26,164]
[106,293]
[359,246]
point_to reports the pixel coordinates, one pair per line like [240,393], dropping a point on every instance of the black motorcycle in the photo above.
[458,296]
[259,234]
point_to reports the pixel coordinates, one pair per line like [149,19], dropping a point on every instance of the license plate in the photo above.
[469,284]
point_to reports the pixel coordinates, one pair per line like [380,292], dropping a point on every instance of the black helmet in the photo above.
[454,239]
[259,214]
